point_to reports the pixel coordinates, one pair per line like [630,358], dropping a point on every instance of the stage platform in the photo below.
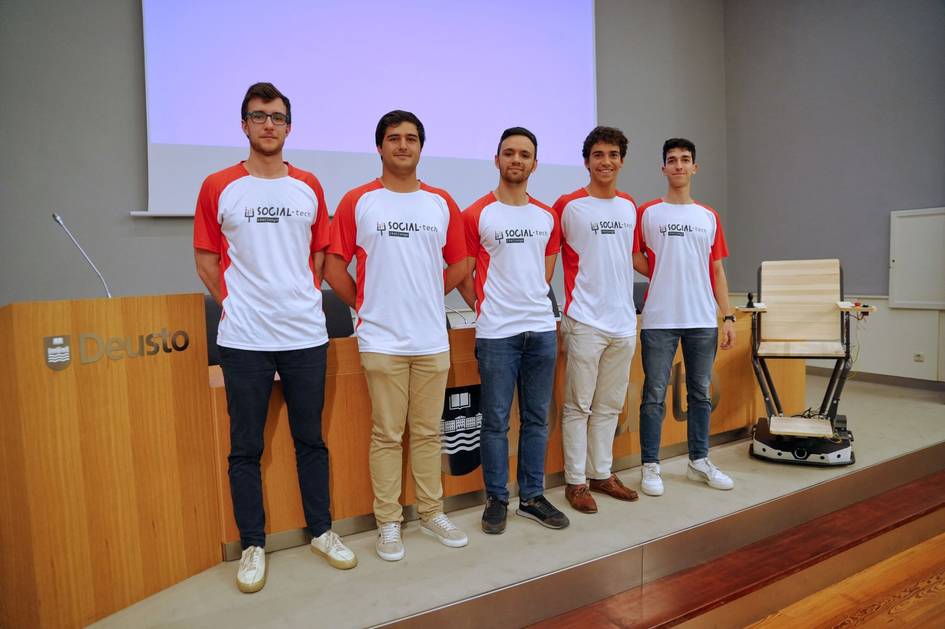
[531,573]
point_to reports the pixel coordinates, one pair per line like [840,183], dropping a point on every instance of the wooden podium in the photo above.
[113,444]
[107,479]
[346,426]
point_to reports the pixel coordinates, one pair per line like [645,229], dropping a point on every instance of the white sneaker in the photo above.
[389,546]
[703,470]
[330,546]
[440,527]
[651,483]
[251,576]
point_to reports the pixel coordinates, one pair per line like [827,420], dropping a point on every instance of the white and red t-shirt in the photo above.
[510,243]
[680,242]
[401,240]
[597,244]
[265,231]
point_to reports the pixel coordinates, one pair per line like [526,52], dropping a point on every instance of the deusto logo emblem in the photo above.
[58,352]
[460,427]
[92,347]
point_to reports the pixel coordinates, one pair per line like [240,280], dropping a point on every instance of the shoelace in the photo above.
[650,472]
[334,542]
[544,507]
[251,561]
[443,522]
[711,470]
[582,490]
[390,532]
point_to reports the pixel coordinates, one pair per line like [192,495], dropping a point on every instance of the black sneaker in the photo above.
[493,518]
[543,512]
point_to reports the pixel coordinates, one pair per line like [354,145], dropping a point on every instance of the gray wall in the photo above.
[836,116]
[76,144]
[661,74]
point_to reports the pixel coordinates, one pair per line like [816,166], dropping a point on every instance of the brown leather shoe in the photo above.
[613,487]
[580,498]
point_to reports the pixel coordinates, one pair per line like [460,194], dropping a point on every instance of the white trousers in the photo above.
[598,374]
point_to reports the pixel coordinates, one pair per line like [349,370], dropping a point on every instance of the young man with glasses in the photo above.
[402,233]
[599,323]
[512,241]
[680,247]
[260,231]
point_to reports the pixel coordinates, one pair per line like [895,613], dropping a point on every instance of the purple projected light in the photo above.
[468,70]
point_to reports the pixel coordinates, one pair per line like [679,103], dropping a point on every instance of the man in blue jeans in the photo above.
[512,241]
[260,233]
[680,246]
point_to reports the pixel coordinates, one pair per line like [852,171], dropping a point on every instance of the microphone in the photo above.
[459,314]
[58,219]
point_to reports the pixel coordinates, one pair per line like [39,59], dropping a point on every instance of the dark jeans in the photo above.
[528,361]
[248,376]
[659,347]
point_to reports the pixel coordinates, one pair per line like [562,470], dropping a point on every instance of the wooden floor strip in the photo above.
[689,593]
[906,590]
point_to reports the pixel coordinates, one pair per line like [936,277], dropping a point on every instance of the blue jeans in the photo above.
[528,361]
[659,347]
[248,377]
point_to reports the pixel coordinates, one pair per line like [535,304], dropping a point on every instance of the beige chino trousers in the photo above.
[406,391]
[597,377]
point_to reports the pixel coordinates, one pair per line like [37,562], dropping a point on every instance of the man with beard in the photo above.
[259,215]
[401,231]
[512,241]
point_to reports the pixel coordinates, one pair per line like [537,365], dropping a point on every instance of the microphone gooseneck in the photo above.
[62,224]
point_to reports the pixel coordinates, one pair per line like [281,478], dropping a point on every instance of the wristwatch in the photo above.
[729,318]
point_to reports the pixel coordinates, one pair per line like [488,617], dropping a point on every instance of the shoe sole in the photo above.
[526,514]
[692,474]
[489,529]
[334,563]
[250,589]
[452,543]
[391,556]
[651,492]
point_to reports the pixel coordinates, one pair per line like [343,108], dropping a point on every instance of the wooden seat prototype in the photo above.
[801,314]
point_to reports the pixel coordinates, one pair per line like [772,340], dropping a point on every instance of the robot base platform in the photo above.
[825,452]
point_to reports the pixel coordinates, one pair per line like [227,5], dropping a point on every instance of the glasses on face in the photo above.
[259,117]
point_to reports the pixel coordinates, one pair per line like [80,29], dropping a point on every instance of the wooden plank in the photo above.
[801,298]
[19,598]
[686,594]
[111,454]
[906,590]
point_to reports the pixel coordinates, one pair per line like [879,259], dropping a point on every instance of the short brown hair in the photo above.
[607,135]
[267,92]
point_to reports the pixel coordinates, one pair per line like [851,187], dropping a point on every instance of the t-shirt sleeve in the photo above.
[471,228]
[554,240]
[343,233]
[208,234]
[558,209]
[455,248]
[719,248]
[321,231]
[639,245]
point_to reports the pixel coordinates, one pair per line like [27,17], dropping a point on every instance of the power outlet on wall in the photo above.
[918,357]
